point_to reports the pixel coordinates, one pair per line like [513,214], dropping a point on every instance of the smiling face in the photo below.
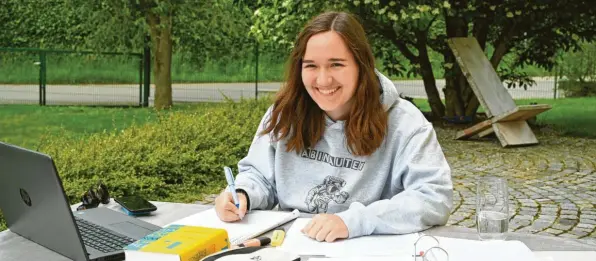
[330,74]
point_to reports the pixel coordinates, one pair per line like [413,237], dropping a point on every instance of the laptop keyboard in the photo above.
[100,238]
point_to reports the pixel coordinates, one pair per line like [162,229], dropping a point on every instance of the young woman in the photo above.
[338,141]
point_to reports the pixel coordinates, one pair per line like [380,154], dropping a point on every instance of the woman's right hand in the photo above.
[226,209]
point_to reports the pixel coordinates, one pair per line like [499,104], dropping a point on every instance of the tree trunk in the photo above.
[480,32]
[456,85]
[454,104]
[161,37]
[498,55]
[163,71]
[426,70]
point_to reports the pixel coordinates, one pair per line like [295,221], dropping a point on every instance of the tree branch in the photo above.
[401,45]
[430,23]
[502,43]
[480,31]
[144,5]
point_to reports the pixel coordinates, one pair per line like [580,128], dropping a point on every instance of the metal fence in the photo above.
[52,77]
[544,88]
[61,77]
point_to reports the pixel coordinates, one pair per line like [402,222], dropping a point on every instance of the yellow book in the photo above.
[178,243]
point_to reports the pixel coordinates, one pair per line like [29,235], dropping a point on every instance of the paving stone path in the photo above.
[552,186]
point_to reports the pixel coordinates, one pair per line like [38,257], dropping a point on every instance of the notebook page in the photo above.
[374,245]
[252,225]
[368,258]
[497,250]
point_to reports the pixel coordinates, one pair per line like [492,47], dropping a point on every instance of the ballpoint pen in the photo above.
[231,185]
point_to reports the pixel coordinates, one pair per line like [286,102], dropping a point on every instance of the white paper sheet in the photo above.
[401,247]
[254,223]
[472,250]
[375,245]
[368,258]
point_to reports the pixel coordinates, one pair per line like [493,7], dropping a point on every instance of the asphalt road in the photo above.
[128,94]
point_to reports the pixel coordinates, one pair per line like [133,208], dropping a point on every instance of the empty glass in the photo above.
[492,208]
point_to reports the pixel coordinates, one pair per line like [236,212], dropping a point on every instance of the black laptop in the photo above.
[34,204]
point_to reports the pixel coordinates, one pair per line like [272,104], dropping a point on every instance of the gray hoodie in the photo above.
[403,187]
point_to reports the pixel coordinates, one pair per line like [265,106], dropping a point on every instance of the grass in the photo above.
[84,69]
[29,125]
[568,116]
[22,68]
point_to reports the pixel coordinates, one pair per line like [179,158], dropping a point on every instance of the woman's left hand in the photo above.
[326,227]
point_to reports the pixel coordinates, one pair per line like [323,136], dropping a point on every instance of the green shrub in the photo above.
[178,158]
[579,70]
[2,222]
[576,88]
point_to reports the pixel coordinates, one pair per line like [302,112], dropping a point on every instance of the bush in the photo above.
[2,222]
[578,88]
[178,158]
[579,72]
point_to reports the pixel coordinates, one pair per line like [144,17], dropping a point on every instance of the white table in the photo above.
[14,247]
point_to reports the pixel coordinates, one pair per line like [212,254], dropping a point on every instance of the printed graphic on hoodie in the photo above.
[337,162]
[318,198]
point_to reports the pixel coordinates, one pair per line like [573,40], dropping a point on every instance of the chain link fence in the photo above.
[50,77]
[544,88]
[56,77]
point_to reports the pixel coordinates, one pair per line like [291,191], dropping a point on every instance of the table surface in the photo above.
[14,247]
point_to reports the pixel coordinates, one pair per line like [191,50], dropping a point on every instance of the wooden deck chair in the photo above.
[508,121]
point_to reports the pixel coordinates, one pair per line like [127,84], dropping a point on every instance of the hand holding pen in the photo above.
[229,205]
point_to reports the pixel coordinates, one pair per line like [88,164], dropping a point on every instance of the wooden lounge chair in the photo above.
[505,119]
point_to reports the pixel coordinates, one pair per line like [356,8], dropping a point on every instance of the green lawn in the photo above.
[28,125]
[569,116]
[23,68]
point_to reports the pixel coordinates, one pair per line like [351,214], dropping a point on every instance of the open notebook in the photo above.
[252,225]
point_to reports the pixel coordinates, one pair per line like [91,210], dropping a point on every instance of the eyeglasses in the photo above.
[92,197]
[433,251]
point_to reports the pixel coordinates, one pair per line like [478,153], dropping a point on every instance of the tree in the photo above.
[405,32]
[42,24]
[196,30]
[190,24]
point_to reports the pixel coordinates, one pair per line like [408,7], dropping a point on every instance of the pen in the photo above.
[261,241]
[231,185]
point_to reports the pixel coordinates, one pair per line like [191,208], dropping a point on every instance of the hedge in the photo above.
[180,157]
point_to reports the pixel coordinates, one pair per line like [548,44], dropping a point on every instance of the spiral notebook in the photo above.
[255,223]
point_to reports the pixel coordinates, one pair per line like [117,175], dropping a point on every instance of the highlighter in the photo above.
[278,237]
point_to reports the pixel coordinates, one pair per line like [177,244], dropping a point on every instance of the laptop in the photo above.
[35,207]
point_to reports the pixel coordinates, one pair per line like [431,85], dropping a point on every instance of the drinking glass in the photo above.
[492,208]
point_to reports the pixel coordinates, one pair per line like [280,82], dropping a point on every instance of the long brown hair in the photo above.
[298,118]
